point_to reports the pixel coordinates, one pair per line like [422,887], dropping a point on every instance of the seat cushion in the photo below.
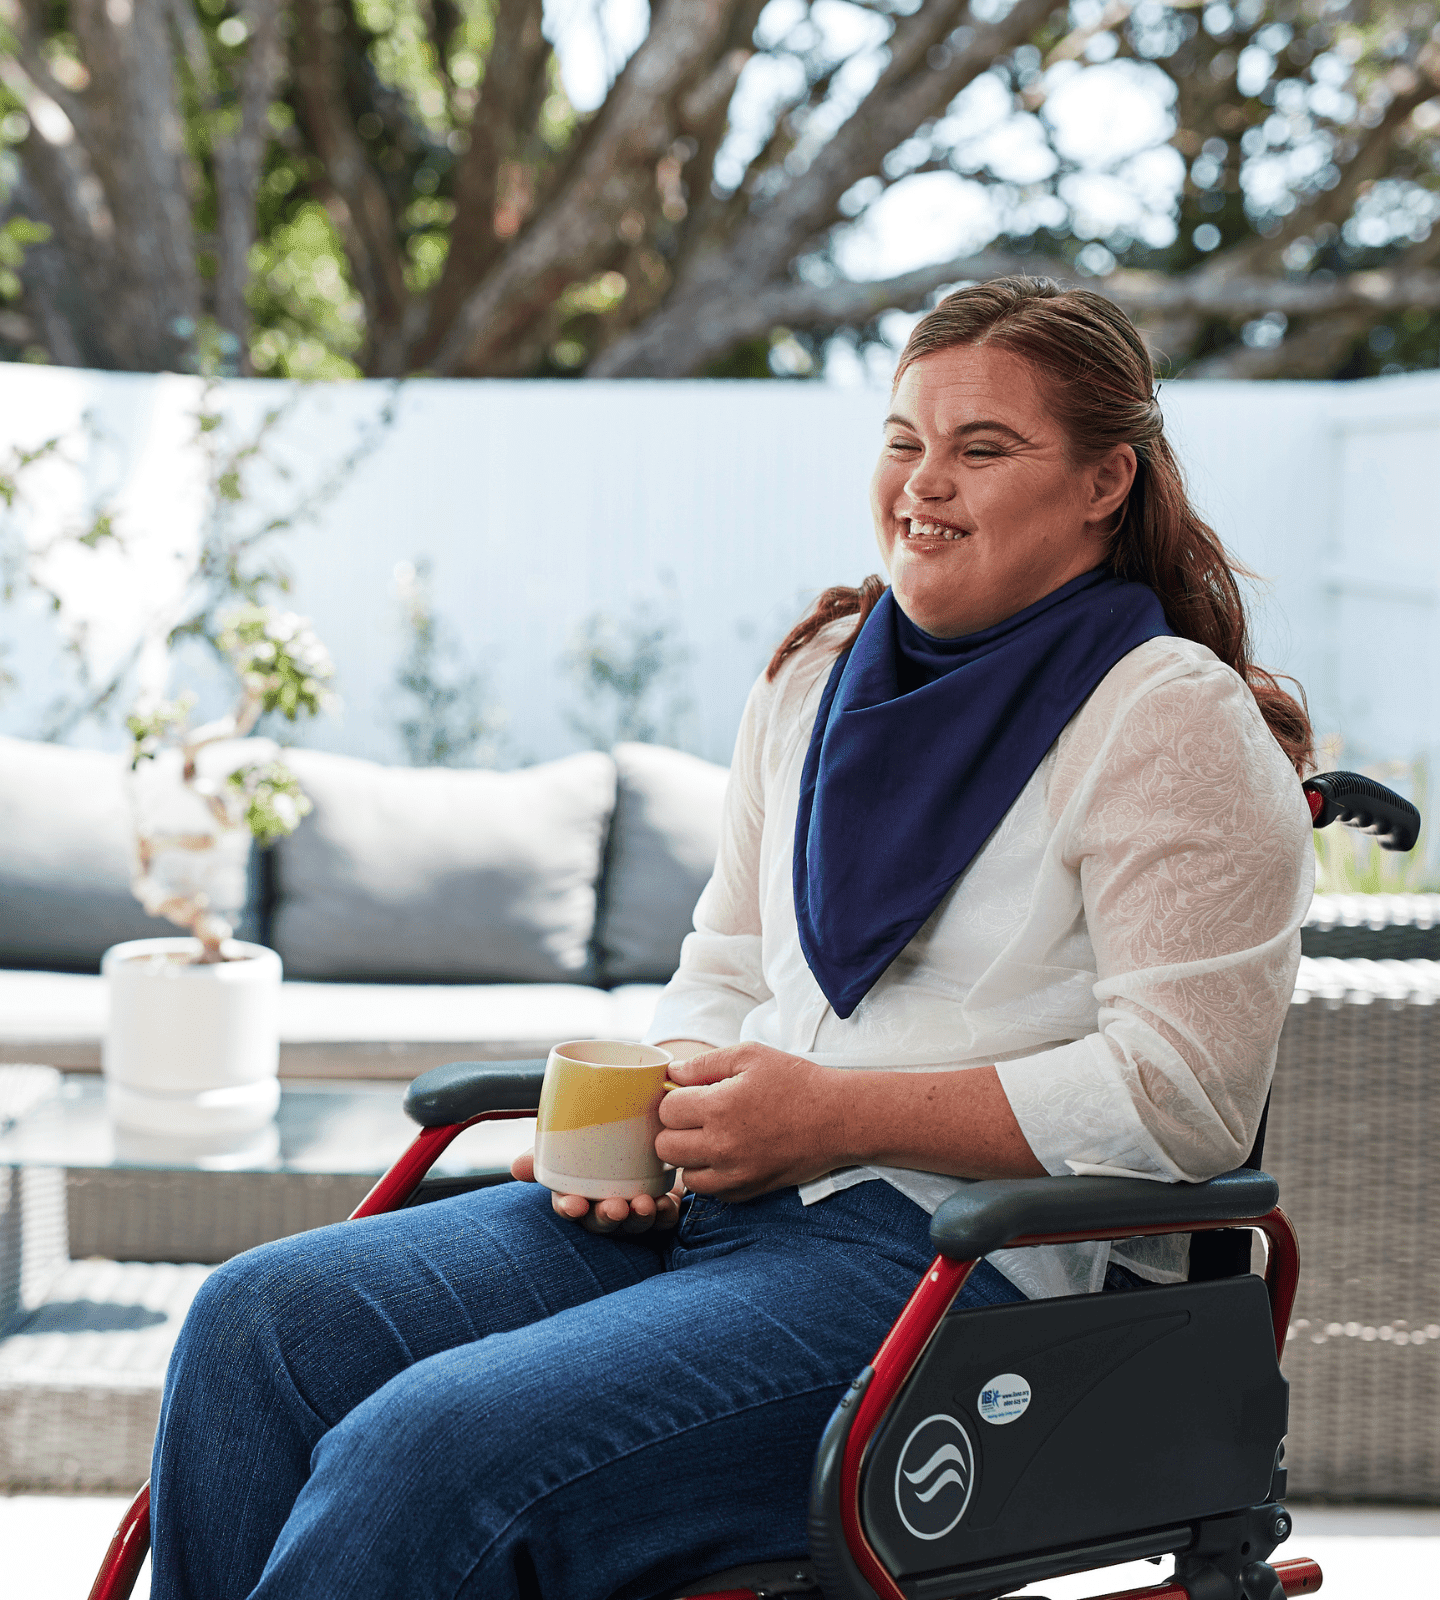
[346,1030]
[442,873]
[661,854]
[66,845]
[517,1018]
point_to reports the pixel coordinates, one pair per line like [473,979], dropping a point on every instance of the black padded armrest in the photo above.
[989,1215]
[463,1089]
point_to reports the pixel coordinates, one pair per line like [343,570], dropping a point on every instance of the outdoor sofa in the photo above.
[422,914]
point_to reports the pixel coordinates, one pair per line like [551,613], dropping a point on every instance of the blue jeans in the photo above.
[477,1398]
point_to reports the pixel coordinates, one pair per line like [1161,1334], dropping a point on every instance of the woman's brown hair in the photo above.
[1099,381]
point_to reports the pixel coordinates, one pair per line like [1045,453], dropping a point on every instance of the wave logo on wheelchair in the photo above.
[935,1476]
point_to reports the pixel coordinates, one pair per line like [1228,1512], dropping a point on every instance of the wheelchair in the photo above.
[977,1454]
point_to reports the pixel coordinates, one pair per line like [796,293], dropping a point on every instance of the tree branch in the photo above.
[1333,326]
[238,156]
[916,85]
[359,204]
[576,228]
[1334,205]
[51,270]
[726,320]
[192,43]
[515,66]
[704,118]
[1310,352]
[1377,294]
[238,160]
[117,193]
[32,63]
[911,90]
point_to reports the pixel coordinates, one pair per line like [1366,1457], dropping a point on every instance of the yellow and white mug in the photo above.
[599,1115]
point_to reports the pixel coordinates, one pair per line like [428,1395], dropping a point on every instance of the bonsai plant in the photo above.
[192,1045]
[185,873]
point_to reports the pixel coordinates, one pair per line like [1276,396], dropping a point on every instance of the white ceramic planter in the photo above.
[191,1050]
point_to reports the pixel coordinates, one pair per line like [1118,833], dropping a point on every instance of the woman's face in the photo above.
[979,510]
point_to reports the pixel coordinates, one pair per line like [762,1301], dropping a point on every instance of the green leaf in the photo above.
[102,528]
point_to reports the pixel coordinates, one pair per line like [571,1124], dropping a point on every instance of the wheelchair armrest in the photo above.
[988,1215]
[463,1089]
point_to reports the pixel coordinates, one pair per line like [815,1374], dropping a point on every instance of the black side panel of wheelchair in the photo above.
[986,1216]
[1145,1408]
[463,1089]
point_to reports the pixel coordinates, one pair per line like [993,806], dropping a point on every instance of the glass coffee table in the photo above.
[106,1237]
[133,1197]
[322,1127]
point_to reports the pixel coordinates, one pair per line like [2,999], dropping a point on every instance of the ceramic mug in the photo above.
[599,1115]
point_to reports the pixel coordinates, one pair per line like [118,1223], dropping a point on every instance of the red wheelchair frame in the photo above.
[982,1218]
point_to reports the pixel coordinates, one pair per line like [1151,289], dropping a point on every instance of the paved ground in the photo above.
[52,1543]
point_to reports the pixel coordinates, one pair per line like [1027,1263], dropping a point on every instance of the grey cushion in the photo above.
[661,855]
[65,853]
[440,873]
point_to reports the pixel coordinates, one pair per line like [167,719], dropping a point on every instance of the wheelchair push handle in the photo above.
[1361,803]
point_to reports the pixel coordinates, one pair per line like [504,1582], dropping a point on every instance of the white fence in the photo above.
[721,506]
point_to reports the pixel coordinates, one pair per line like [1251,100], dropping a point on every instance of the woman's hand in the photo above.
[638,1215]
[749,1119]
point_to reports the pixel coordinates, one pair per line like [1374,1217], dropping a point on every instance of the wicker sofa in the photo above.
[1354,1126]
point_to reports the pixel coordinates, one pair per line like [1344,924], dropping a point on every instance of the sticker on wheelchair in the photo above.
[935,1476]
[1003,1399]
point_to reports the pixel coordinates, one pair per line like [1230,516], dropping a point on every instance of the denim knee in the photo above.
[253,1321]
[222,1312]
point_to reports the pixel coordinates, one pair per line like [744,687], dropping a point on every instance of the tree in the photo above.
[400,186]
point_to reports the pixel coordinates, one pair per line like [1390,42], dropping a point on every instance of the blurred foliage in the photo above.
[274,802]
[151,727]
[15,235]
[34,542]
[1274,102]
[447,720]
[250,494]
[309,322]
[630,674]
[278,658]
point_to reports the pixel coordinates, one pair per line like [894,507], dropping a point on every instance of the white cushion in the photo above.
[36,1007]
[491,1013]
[62,1006]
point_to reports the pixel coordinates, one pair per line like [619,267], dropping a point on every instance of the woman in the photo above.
[1010,881]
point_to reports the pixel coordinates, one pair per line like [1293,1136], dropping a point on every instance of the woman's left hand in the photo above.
[748,1119]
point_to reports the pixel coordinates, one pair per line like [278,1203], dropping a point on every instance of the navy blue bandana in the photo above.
[921,746]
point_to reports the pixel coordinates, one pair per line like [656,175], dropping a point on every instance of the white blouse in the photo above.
[1123,947]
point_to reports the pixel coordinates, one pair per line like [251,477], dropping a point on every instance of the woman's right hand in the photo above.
[637,1215]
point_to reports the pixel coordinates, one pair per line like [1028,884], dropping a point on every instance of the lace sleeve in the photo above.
[1191,839]
[720,979]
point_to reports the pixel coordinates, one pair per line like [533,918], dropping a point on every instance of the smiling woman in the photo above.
[980,506]
[1010,881]
[1067,387]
